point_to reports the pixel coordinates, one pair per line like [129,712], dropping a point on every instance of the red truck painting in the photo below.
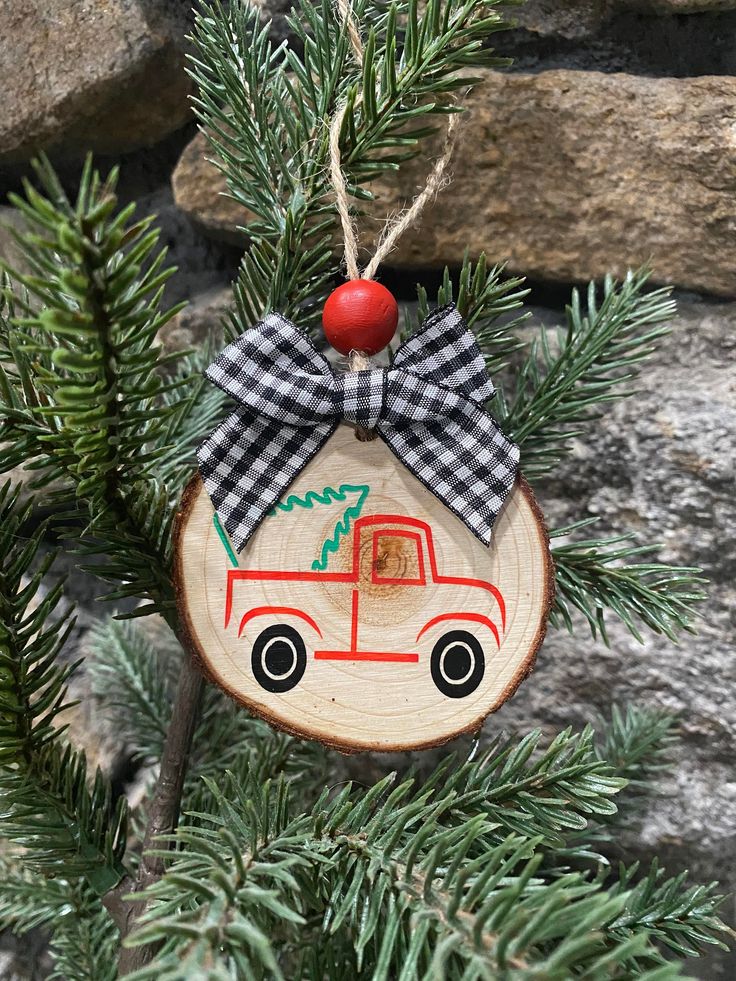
[457,659]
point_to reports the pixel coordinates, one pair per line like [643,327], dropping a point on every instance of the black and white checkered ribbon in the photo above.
[427,407]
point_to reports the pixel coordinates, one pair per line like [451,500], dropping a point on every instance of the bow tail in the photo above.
[248,462]
[466,462]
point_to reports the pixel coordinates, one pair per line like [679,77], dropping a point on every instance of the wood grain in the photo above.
[395,602]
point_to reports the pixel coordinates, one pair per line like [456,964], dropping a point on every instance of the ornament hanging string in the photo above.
[402,222]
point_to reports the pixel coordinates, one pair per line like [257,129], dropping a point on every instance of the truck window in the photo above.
[397,558]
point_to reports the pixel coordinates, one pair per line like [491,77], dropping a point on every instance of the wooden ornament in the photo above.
[363,613]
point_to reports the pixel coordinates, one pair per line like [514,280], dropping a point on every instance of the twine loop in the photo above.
[405,220]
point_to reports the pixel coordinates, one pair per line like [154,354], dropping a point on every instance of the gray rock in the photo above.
[580,18]
[675,6]
[197,322]
[662,464]
[95,76]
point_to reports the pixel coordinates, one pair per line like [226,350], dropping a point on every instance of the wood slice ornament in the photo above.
[363,613]
[364,610]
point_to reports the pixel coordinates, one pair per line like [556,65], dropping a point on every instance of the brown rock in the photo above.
[568,175]
[200,191]
[574,19]
[90,75]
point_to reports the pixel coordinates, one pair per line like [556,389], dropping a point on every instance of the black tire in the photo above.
[279,658]
[458,664]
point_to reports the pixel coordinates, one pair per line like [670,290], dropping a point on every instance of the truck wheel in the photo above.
[279,658]
[458,664]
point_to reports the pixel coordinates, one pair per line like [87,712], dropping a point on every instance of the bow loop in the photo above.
[427,408]
[444,350]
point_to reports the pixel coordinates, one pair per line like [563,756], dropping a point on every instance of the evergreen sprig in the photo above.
[84,390]
[64,825]
[134,672]
[88,322]
[252,885]
[32,633]
[134,676]
[570,374]
[522,788]
[637,743]
[677,915]
[84,943]
[606,576]
[83,937]
[483,296]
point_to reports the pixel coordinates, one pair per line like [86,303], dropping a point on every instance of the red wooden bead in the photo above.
[360,316]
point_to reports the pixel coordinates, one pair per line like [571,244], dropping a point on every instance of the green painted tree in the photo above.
[246,859]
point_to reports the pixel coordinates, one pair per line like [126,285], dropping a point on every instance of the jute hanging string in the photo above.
[395,228]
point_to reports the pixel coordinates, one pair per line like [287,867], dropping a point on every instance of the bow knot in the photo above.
[360,396]
[428,408]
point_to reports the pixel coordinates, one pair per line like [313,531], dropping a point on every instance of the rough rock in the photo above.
[664,465]
[201,192]
[566,174]
[580,18]
[102,76]
[676,6]
[576,19]
[198,322]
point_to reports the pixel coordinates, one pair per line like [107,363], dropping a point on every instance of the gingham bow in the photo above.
[427,407]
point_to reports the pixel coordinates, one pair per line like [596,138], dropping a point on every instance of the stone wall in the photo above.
[610,142]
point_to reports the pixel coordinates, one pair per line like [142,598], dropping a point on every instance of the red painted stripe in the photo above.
[287,576]
[478,584]
[474,617]
[363,656]
[260,611]
[354,622]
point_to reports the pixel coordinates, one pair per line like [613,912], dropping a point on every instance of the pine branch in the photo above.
[637,742]
[265,112]
[135,682]
[29,900]
[523,789]
[598,577]
[84,390]
[570,374]
[193,409]
[416,898]
[46,807]
[82,382]
[134,677]
[64,826]
[32,634]
[83,938]
[678,916]
[84,942]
